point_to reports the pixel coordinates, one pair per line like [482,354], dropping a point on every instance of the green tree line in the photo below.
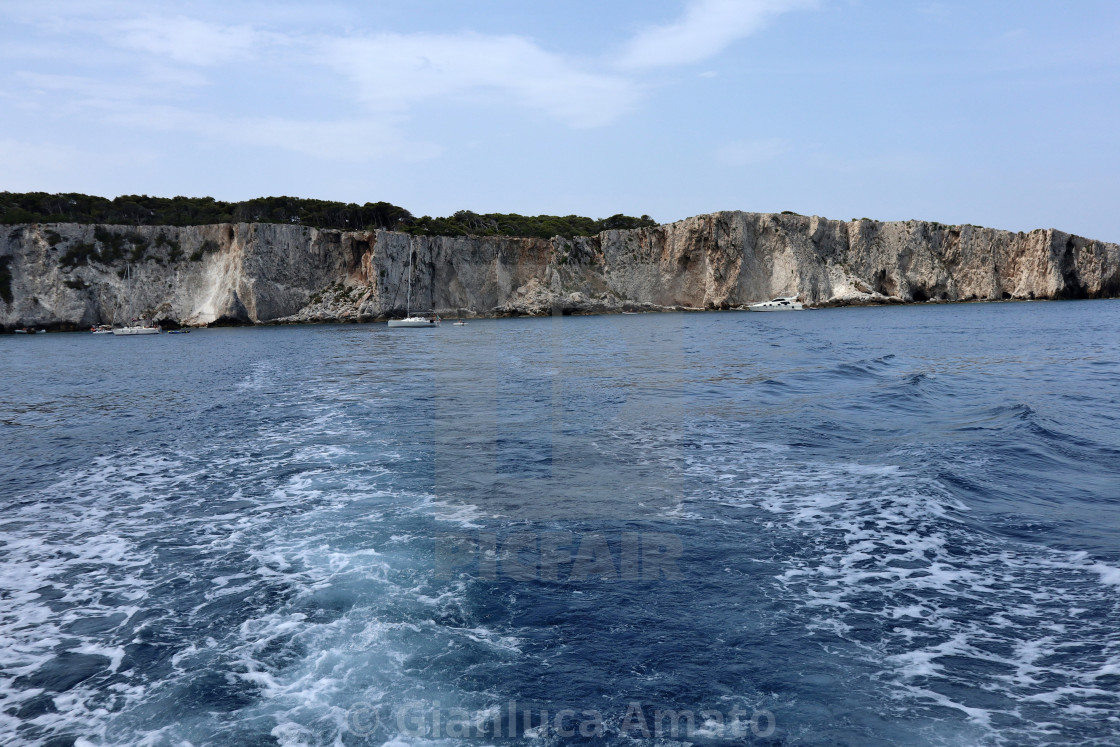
[142,210]
[466,223]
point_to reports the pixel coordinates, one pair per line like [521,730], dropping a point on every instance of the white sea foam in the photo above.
[81,565]
[879,542]
[1109,575]
[261,374]
[463,515]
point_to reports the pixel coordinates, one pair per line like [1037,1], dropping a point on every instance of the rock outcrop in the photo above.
[69,276]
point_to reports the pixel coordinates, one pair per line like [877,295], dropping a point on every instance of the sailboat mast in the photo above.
[408,296]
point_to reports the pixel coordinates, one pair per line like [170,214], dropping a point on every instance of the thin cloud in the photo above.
[377,74]
[186,40]
[338,139]
[707,28]
[395,71]
[159,72]
[157,84]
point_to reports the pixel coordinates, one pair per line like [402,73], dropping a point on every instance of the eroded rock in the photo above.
[66,276]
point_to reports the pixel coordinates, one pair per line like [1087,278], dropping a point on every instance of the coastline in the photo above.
[78,329]
[73,276]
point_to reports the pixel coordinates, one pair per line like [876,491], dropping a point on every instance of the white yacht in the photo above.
[138,327]
[781,303]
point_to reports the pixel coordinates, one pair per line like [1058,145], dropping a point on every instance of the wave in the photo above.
[883,565]
[144,593]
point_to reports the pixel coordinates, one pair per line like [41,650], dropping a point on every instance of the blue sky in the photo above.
[1002,113]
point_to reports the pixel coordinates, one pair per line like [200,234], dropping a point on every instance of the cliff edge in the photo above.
[69,276]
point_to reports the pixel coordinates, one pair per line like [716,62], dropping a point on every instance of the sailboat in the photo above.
[410,320]
[134,326]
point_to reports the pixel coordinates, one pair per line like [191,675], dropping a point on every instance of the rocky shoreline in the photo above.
[71,276]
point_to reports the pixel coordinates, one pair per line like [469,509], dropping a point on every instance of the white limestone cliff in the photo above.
[62,276]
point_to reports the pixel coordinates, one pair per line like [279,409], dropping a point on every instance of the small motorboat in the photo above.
[781,303]
[101,329]
[459,323]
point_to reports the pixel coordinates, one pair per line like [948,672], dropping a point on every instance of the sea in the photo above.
[850,526]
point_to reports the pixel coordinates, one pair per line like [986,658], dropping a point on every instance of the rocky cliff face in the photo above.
[71,276]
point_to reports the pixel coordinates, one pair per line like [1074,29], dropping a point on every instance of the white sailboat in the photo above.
[410,320]
[134,326]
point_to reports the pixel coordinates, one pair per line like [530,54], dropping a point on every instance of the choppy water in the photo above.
[853,526]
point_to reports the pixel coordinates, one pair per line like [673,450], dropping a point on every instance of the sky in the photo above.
[1001,113]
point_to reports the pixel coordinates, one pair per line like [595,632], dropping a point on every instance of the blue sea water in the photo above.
[864,526]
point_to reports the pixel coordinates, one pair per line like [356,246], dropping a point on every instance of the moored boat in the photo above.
[136,326]
[410,320]
[415,321]
[781,303]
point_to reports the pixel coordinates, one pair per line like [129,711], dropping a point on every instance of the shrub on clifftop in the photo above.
[141,210]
